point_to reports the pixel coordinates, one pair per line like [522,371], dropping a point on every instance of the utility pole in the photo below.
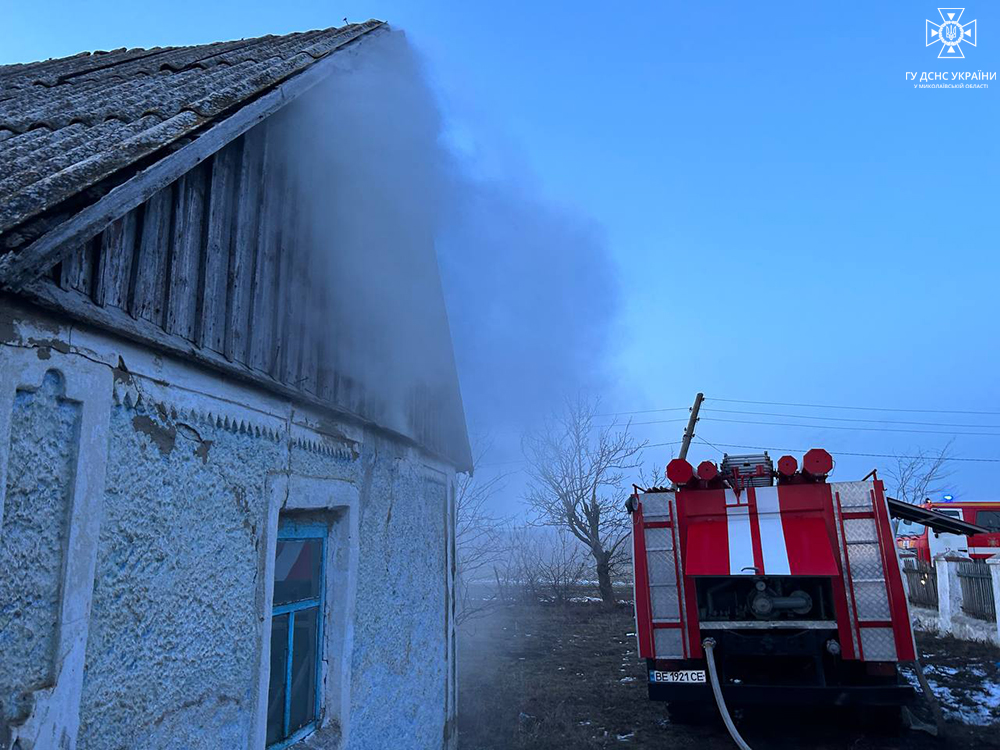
[689,430]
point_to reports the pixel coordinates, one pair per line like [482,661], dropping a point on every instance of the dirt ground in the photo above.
[555,677]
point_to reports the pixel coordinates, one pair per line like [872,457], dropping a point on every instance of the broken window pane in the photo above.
[304,645]
[276,684]
[296,570]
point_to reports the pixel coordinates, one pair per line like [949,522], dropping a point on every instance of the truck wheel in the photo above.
[690,713]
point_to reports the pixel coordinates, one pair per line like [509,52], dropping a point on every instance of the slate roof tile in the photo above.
[68,123]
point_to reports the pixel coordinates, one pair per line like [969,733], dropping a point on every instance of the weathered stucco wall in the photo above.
[398,696]
[173,651]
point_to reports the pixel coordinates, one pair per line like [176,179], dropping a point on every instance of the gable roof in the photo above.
[68,124]
[110,162]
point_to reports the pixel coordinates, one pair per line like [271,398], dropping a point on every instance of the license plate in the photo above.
[685,675]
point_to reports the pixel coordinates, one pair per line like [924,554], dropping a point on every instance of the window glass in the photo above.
[305,640]
[910,528]
[296,625]
[276,684]
[988,519]
[297,565]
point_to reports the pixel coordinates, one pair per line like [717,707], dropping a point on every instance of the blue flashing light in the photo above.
[949,498]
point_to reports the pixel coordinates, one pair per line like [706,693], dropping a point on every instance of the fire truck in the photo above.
[925,543]
[756,586]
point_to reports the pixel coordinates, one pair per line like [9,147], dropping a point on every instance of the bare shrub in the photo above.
[481,539]
[563,563]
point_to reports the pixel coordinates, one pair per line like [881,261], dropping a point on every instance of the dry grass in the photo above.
[550,677]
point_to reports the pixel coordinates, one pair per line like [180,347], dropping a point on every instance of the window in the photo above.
[910,528]
[310,563]
[988,519]
[293,697]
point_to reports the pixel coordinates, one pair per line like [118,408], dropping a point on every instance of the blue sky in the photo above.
[792,221]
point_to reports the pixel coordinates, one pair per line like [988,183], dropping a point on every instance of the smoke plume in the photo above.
[529,286]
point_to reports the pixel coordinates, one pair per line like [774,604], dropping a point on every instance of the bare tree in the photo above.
[576,470]
[919,475]
[481,539]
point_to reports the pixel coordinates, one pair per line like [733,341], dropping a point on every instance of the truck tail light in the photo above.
[668,665]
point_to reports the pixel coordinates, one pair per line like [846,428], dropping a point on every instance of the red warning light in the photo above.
[707,471]
[679,471]
[817,462]
[787,466]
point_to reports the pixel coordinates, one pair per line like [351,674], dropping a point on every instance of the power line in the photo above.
[849,419]
[814,426]
[643,411]
[633,424]
[855,408]
[836,453]
[810,406]
[524,460]
[699,437]
[844,427]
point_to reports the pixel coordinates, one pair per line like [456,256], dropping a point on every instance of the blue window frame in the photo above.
[293,701]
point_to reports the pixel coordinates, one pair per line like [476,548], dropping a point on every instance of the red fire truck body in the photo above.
[927,543]
[795,581]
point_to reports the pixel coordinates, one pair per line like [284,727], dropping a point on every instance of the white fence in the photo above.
[967,592]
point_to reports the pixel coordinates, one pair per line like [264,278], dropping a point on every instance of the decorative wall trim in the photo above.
[133,399]
[183,383]
[324,448]
[143,379]
[55,718]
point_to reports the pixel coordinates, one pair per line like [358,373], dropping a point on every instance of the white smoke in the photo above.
[529,286]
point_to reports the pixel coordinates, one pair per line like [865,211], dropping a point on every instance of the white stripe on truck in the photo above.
[772,534]
[740,540]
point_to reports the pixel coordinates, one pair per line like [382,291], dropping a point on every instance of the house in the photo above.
[220,526]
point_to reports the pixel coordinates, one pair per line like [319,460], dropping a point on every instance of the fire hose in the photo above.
[709,645]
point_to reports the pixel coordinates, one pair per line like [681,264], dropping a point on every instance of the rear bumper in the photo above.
[797,695]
